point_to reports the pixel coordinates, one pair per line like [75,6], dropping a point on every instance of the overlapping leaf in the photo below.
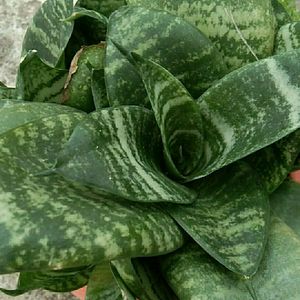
[288,38]
[6,92]
[230,217]
[48,34]
[281,14]
[125,141]
[194,275]
[99,89]
[240,38]
[285,202]
[38,82]
[78,89]
[169,41]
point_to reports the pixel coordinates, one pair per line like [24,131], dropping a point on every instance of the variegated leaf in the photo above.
[49,223]
[240,38]
[275,162]
[105,7]
[281,14]
[245,111]
[38,82]
[169,41]
[48,34]
[285,202]
[78,90]
[230,218]
[102,284]
[288,38]
[193,274]
[143,278]
[99,89]
[249,109]
[125,141]
[177,115]
[80,12]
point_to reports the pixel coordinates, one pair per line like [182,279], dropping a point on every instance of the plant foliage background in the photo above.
[87,198]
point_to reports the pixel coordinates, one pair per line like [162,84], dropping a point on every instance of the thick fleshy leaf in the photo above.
[123,140]
[38,82]
[288,38]
[6,92]
[238,37]
[285,202]
[143,278]
[99,89]
[275,162]
[250,109]
[102,284]
[80,12]
[230,217]
[49,223]
[105,7]
[281,14]
[194,275]
[245,111]
[78,90]
[166,39]
[48,34]
[177,115]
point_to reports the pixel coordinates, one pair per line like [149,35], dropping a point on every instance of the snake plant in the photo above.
[146,147]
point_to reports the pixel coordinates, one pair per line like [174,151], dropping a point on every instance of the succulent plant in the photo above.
[146,147]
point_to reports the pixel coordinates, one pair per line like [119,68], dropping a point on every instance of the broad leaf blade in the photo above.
[99,89]
[230,217]
[80,12]
[167,40]
[285,202]
[125,141]
[288,38]
[38,82]
[239,38]
[48,34]
[281,14]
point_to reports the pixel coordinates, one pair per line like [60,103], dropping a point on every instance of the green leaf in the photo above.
[78,90]
[123,140]
[288,38]
[291,7]
[245,111]
[286,204]
[6,92]
[99,89]
[193,274]
[249,109]
[105,7]
[143,278]
[80,12]
[102,284]
[275,162]
[167,40]
[49,223]
[281,14]
[240,38]
[48,34]
[38,82]
[230,217]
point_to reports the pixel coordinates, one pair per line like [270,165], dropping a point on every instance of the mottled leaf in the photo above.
[281,14]
[49,223]
[99,89]
[125,141]
[78,90]
[249,109]
[193,274]
[166,39]
[38,82]
[102,284]
[48,34]
[243,31]
[288,38]
[105,7]
[275,162]
[230,218]
[285,202]
[80,12]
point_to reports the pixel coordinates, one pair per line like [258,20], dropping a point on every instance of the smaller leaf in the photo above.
[288,38]
[80,12]
[281,14]
[6,92]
